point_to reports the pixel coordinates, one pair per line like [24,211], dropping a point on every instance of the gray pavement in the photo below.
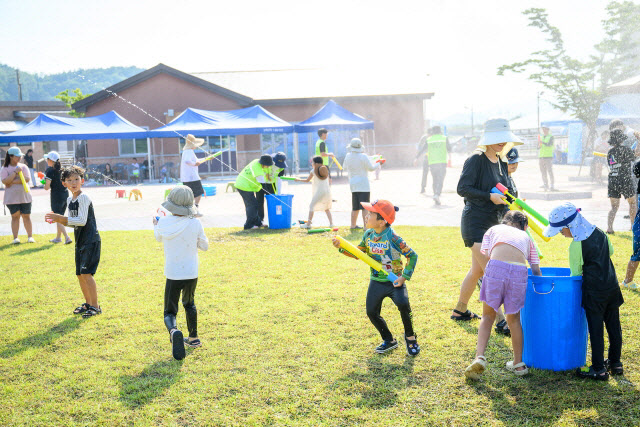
[401,186]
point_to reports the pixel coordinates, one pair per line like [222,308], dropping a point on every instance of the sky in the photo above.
[452,48]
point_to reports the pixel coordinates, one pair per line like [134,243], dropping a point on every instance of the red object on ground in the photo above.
[120,194]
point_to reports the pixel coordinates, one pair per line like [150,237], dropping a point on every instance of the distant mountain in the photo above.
[39,87]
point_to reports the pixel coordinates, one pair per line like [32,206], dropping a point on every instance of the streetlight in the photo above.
[539,93]
[467,108]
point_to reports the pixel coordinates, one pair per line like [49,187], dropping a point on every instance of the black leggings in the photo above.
[611,319]
[172,296]
[377,292]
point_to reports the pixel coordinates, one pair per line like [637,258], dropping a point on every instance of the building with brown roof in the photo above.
[156,96]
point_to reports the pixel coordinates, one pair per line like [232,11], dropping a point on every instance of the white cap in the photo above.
[53,156]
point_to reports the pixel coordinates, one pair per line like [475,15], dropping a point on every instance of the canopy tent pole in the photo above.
[149,158]
[373,133]
[296,154]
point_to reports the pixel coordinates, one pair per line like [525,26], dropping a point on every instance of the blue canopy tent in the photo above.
[46,127]
[333,117]
[204,123]
[610,112]
[246,121]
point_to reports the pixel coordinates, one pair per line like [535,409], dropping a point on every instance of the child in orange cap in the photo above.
[383,245]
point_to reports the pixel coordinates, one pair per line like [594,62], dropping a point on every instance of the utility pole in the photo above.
[472,121]
[19,85]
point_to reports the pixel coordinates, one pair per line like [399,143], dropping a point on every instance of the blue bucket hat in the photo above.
[513,156]
[280,160]
[567,215]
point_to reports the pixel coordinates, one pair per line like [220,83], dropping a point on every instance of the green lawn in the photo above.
[286,341]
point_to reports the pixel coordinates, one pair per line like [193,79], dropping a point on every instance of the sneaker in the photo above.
[177,344]
[66,242]
[31,240]
[55,241]
[413,349]
[386,346]
[198,214]
[436,199]
[632,285]
[16,241]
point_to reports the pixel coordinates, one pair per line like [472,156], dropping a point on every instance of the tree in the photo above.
[580,86]
[69,100]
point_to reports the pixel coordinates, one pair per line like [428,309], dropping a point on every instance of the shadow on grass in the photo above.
[7,246]
[544,397]
[259,232]
[33,250]
[625,236]
[378,386]
[139,390]
[42,339]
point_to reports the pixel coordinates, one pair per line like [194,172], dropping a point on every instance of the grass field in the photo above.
[286,341]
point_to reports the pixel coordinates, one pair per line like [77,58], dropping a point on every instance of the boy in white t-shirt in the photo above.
[182,236]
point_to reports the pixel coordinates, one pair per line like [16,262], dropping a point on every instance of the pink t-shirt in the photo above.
[15,194]
[519,239]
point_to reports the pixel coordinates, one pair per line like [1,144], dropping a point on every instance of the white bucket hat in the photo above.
[180,201]
[192,142]
[498,131]
[356,145]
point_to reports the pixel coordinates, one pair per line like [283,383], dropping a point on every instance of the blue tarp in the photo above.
[334,117]
[246,121]
[46,127]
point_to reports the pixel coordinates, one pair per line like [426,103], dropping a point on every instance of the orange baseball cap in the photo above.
[384,207]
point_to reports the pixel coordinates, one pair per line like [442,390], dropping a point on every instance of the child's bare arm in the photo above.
[306,179]
[53,217]
[535,269]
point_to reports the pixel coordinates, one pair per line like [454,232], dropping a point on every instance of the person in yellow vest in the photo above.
[545,146]
[321,149]
[272,184]
[422,153]
[438,148]
[249,182]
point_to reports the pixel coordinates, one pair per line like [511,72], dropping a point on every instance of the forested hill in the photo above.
[40,87]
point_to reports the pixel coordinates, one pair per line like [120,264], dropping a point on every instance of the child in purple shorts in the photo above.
[507,248]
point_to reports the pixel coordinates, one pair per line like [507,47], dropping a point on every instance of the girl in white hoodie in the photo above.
[182,235]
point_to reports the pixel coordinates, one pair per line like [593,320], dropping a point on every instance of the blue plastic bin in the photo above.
[209,190]
[554,322]
[279,210]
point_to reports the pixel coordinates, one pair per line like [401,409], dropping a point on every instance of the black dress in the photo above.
[479,175]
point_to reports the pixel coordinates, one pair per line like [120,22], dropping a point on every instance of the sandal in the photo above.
[502,328]
[91,311]
[193,344]
[476,369]
[615,368]
[513,368]
[81,309]
[413,349]
[467,315]
[55,241]
[66,242]
[177,344]
[592,374]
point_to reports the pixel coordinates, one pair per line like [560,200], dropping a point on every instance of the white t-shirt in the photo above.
[358,165]
[188,168]
[182,237]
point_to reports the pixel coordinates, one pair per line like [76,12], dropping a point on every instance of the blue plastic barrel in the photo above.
[209,190]
[279,210]
[554,322]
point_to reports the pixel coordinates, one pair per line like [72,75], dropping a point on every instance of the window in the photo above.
[129,146]
[216,143]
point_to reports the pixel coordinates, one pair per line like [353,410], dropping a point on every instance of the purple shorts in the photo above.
[504,284]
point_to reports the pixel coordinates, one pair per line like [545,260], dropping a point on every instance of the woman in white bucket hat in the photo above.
[481,172]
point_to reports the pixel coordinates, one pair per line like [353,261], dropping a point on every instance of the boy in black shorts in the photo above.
[83,221]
